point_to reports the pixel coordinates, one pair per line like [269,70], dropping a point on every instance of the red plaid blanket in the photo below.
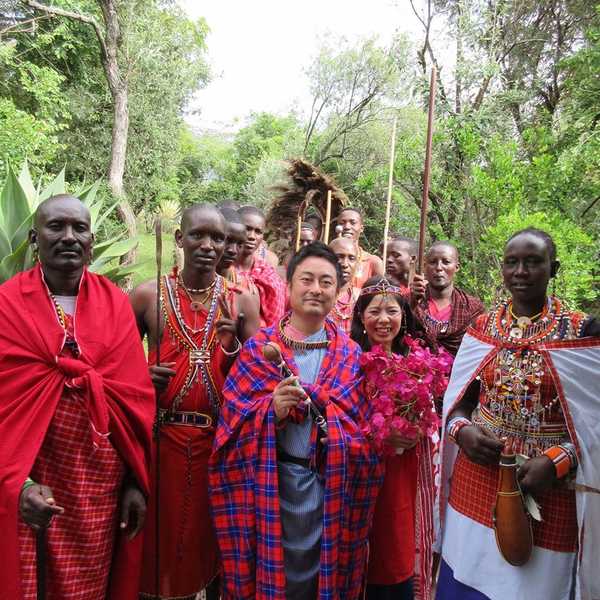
[243,474]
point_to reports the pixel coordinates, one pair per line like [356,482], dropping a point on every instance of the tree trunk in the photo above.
[120,130]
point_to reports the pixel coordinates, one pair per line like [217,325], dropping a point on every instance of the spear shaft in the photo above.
[427,172]
[158,236]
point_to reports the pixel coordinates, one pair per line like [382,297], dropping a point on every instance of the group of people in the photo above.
[236,459]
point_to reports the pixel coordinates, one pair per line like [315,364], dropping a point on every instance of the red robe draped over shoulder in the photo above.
[112,376]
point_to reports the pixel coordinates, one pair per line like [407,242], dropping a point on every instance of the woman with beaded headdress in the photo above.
[525,383]
[403,519]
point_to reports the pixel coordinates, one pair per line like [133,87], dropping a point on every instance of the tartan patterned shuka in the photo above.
[243,474]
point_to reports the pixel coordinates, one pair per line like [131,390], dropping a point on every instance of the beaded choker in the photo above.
[298,344]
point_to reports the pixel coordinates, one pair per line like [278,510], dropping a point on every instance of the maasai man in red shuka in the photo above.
[444,310]
[198,343]
[76,410]
[368,265]
[401,256]
[257,276]
[346,251]
[292,506]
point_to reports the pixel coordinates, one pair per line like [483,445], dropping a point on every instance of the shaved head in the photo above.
[345,243]
[65,202]
[189,215]
[443,244]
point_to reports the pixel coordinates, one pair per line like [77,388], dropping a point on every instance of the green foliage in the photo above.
[576,250]
[19,199]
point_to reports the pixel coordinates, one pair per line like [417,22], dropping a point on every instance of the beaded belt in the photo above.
[182,417]
[543,437]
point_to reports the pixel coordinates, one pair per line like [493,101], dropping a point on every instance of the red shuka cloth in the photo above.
[111,375]
[188,553]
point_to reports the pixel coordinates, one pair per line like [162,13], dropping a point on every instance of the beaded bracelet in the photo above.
[233,352]
[28,483]
[454,425]
[560,458]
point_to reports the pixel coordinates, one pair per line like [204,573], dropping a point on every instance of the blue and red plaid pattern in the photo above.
[243,474]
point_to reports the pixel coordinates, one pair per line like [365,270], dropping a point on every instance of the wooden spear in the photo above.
[158,235]
[388,208]
[427,172]
[328,217]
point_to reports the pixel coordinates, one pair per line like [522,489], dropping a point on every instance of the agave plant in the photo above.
[19,199]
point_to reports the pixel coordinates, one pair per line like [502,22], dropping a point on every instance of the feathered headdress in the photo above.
[308,188]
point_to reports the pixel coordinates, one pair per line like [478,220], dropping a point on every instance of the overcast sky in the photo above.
[259,50]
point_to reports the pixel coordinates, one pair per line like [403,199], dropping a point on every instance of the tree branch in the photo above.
[59,12]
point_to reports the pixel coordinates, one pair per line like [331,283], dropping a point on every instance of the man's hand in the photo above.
[161,375]
[227,328]
[285,396]
[480,445]
[418,287]
[38,507]
[536,475]
[133,510]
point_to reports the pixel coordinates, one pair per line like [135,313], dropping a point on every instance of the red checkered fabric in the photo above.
[473,493]
[244,484]
[86,482]
[465,309]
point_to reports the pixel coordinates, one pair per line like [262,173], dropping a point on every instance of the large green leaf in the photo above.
[14,263]
[22,232]
[101,218]
[13,204]
[117,273]
[28,186]
[118,249]
[56,186]
[88,194]
[100,248]
[5,247]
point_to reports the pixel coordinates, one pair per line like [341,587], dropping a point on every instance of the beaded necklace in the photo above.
[298,344]
[515,405]
[199,355]
[343,310]
[70,342]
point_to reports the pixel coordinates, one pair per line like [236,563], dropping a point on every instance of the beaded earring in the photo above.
[35,251]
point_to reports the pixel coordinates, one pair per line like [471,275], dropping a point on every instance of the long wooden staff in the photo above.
[327,217]
[427,172]
[388,208]
[158,235]
[41,560]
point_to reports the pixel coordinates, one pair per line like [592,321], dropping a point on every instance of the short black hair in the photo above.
[231,215]
[410,325]
[306,225]
[412,244]
[351,209]
[229,204]
[315,250]
[542,235]
[251,210]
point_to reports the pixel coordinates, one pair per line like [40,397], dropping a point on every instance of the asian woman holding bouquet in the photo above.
[402,376]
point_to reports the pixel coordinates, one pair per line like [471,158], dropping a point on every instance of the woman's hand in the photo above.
[536,475]
[480,445]
[397,440]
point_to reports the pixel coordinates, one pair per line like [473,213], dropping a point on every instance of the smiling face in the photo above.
[527,268]
[255,232]
[313,288]
[382,319]
[202,238]
[347,253]
[351,223]
[234,243]
[441,264]
[63,234]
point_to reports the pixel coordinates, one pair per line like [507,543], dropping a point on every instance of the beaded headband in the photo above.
[384,287]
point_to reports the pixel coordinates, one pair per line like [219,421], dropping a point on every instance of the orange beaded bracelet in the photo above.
[561,460]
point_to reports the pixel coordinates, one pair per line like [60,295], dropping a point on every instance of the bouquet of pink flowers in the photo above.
[402,390]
